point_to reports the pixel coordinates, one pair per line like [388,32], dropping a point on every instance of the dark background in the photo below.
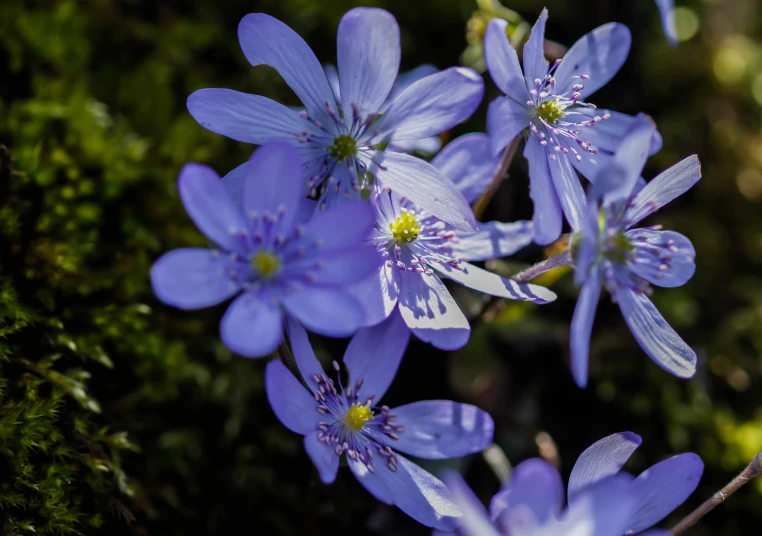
[119,415]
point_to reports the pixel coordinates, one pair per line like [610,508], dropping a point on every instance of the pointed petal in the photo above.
[491,283]
[425,186]
[599,54]
[535,64]
[323,456]
[503,62]
[266,40]
[493,240]
[630,157]
[329,311]
[664,188]
[431,105]
[469,164]
[374,354]
[582,326]
[377,294]
[664,258]
[568,189]
[209,205]
[302,351]
[602,459]
[506,119]
[244,117]
[290,401]
[535,483]
[252,326]
[189,278]
[430,312]
[441,429]
[654,335]
[663,487]
[548,214]
[474,521]
[368,45]
[667,10]
[274,184]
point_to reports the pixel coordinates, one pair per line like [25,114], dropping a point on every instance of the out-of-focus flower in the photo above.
[277,265]
[337,420]
[602,500]
[627,261]
[416,248]
[516,30]
[342,143]
[667,10]
[564,132]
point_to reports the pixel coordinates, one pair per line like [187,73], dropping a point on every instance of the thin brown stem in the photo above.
[497,178]
[753,470]
[541,267]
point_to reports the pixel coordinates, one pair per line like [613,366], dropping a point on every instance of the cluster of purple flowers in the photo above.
[336,226]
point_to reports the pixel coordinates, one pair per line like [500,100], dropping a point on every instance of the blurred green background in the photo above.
[119,415]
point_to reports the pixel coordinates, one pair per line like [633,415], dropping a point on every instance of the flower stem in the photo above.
[497,178]
[753,470]
[548,264]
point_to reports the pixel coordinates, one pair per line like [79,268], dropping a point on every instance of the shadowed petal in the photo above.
[425,186]
[374,354]
[491,283]
[339,268]
[536,484]
[663,487]
[506,119]
[548,215]
[266,40]
[664,258]
[189,278]
[377,294]
[607,135]
[325,310]
[493,240]
[430,311]
[474,521]
[535,64]
[274,184]
[667,10]
[602,509]
[599,54]
[441,429]
[376,486]
[302,351]
[582,326]
[469,164]
[503,63]
[630,157]
[209,205]
[368,45]
[323,456]
[654,335]
[431,105]
[426,146]
[405,79]
[602,459]
[329,227]
[290,401]
[244,117]
[568,189]
[252,326]
[665,187]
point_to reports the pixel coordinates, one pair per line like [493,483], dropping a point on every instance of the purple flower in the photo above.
[340,143]
[667,10]
[417,248]
[602,500]
[564,131]
[276,265]
[337,420]
[608,251]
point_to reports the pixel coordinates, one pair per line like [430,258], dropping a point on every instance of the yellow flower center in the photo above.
[265,263]
[551,111]
[405,228]
[356,416]
[343,147]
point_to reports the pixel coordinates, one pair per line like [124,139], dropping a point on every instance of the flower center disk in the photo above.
[265,263]
[405,228]
[356,417]
[343,147]
[551,111]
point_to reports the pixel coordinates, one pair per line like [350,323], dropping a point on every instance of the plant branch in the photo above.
[497,178]
[541,267]
[753,470]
